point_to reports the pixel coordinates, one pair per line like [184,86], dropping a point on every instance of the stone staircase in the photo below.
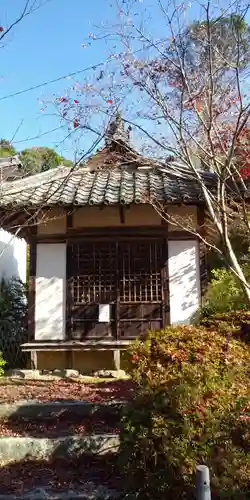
[63,450]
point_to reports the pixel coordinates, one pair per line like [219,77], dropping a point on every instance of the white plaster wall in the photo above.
[184,280]
[50,303]
[13,255]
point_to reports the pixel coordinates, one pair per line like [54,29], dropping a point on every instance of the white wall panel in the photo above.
[184,280]
[50,302]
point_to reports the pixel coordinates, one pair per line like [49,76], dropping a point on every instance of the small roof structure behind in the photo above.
[10,168]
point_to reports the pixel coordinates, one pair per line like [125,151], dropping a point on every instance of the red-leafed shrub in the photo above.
[192,407]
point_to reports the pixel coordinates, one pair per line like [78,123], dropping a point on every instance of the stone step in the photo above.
[93,495]
[17,449]
[89,491]
[86,477]
[36,410]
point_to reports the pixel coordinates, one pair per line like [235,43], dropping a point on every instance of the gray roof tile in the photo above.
[81,187]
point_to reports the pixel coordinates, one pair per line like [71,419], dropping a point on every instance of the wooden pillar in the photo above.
[32,284]
[69,358]
[68,324]
[33,356]
[117,359]
[201,220]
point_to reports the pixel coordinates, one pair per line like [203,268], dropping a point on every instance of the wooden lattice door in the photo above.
[92,281]
[142,287]
[129,275]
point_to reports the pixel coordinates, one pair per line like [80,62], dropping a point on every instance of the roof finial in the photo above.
[116,133]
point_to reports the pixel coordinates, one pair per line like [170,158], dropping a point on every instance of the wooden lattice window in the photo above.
[93,269]
[140,272]
[128,275]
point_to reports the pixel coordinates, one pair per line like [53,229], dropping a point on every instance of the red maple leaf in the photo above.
[63,99]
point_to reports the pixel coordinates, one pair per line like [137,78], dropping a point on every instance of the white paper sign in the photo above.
[104,313]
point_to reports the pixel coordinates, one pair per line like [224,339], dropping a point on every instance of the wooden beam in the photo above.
[181,235]
[32,284]
[73,345]
[116,232]
[157,230]
[104,232]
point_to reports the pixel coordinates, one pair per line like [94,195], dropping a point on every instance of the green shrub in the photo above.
[191,407]
[224,292]
[235,323]
[13,322]
[6,149]
[2,364]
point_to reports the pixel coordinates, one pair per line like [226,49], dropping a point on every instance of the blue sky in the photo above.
[44,46]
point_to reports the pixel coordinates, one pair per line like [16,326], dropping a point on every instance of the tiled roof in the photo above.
[10,167]
[114,186]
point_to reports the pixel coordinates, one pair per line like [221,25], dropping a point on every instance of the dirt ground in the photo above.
[12,390]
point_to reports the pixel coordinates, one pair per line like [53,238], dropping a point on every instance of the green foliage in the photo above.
[2,364]
[224,292]
[240,242]
[36,160]
[224,32]
[6,149]
[192,406]
[13,321]
[234,323]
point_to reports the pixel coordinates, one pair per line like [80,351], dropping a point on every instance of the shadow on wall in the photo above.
[184,281]
[50,308]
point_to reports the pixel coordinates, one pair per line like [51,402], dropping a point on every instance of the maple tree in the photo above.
[184,89]
[28,7]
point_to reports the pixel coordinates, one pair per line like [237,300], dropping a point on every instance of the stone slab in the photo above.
[17,449]
[65,496]
[36,410]
[63,374]
[87,491]
[43,374]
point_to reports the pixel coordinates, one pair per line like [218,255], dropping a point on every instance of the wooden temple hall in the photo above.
[104,266]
